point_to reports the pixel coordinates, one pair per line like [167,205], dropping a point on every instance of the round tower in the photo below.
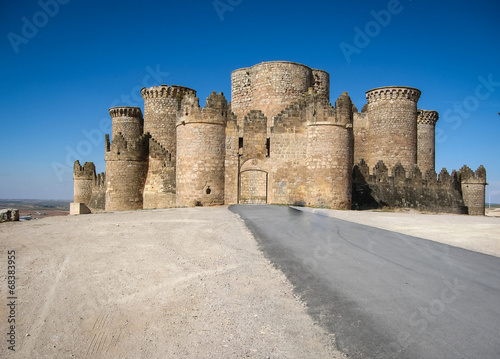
[161,104]
[329,156]
[273,86]
[392,136]
[127,121]
[426,140]
[201,137]
[83,177]
[126,162]
[473,187]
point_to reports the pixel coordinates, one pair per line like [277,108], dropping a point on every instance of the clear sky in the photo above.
[64,63]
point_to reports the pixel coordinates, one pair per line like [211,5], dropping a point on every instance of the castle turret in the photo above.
[426,140]
[272,86]
[126,160]
[473,185]
[127,121]
[201,151]
[161,104]
[329,154]
[392,134]
[83,177]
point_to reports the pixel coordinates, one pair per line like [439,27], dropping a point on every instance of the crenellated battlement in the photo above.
[466,175]
[100,181]
[427,117]
[217,101]
[156,150]
[344,102]
[215,112]
[122,150]
[85,172]
[393,93]
[314,109]
[125,111]
[406,188]
[164,91]
[399,175]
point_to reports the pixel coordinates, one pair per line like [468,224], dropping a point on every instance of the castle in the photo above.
[279,141]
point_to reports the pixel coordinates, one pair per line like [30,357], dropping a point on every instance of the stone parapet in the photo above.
[393,93]
[164,91]
[427,117]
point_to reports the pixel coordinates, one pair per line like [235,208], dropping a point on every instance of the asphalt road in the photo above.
[384,294]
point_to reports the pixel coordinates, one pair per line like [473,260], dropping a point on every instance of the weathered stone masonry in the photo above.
[278,141]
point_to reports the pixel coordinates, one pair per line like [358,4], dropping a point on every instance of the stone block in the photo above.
[78,208]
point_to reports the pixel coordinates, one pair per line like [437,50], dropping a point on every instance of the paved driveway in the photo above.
[384,294]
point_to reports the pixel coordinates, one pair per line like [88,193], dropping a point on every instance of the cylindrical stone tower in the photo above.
[127,121]
[83,177]
[161,104]
[426,140]
[392,113]
[473,187]
[201,137]
[273,86]
[329,156]
[126,163]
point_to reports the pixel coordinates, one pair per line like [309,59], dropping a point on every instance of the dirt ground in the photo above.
[175,283]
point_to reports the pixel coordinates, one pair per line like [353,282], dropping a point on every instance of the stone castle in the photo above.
[279,141]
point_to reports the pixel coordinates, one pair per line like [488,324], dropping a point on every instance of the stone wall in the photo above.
[254,136]
[321,83]
[241,94]
[97,201]
[160,187]
[288,150]
[231,162]
[398,187]
[360,131]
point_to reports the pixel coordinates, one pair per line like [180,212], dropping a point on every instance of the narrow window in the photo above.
[268,147]
[240,145]
[208,190]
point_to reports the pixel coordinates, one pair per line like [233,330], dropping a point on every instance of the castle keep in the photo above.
[279,141]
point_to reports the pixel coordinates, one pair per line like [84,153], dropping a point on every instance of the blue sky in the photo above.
[65,62]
